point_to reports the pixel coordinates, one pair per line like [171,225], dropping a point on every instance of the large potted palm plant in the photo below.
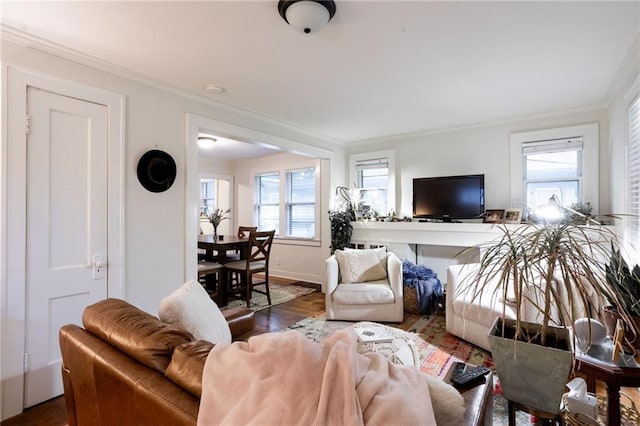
[552,274]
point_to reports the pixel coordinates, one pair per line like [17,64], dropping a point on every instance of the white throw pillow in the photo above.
[381,252]
[359,266]
[191,308]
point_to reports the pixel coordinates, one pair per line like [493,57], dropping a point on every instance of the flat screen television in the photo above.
[448,198]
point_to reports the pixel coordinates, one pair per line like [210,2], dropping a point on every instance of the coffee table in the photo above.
[478,400]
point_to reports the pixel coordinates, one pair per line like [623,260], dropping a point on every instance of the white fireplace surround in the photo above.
[436,245]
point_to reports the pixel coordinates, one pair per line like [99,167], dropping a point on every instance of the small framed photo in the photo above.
[493,216]
[513,215]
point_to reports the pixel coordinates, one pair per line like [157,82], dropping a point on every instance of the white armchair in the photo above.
[376,300]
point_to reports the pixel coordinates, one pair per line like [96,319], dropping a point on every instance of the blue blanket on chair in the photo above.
[425,281]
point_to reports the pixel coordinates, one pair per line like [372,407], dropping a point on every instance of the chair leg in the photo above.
[248,288]
[266,286]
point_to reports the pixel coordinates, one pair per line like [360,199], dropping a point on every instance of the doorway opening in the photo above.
[216,192]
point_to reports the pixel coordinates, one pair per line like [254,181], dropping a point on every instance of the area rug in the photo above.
[280,293]
[437,348]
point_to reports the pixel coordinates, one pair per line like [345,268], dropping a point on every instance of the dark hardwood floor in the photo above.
[275,318]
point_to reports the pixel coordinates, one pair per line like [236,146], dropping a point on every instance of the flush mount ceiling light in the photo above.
[206,142]
[307,16]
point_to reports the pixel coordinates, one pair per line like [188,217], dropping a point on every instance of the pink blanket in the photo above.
[286,379]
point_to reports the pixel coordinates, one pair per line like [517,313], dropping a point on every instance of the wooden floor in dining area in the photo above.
[275,318]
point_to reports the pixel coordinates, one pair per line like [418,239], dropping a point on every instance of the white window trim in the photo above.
[590,133]
[390,155]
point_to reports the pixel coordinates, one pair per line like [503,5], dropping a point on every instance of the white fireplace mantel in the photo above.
[436,245]
[427,233]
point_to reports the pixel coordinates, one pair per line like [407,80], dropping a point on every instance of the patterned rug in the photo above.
[280,293]
[438,350]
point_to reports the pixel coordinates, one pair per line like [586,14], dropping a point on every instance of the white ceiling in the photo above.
[231,149]
[379,68]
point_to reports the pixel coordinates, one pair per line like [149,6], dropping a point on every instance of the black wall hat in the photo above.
[156,170]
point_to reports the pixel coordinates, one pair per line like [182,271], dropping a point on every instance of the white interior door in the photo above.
[66,228]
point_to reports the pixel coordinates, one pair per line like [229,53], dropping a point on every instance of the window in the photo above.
[207,195]
[373,175]
[633,170]
[301,203]
[552,168]
[267,201]
[561,162]
[287,201]
[372,179]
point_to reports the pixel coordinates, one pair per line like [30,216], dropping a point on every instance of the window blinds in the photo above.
[556,145]
[301,203]
[375,163]
[633,169]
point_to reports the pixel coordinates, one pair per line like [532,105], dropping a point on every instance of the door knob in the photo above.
[99,266]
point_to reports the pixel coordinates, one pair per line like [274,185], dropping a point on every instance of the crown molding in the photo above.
[484,124]
[22,38]
[29,40]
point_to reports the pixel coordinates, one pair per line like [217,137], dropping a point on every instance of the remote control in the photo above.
[470,376]
[458,368]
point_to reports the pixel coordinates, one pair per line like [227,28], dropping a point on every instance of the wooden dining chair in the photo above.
[241,272]
[209,277]
[243,232]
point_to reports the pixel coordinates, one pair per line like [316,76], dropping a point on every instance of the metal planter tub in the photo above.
[531,374]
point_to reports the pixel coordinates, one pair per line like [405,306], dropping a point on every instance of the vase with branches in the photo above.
[217,216]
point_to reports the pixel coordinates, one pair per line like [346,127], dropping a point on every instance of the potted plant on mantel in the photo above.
[553,275]
[340,217]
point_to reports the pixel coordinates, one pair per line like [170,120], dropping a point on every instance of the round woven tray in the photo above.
[628,413]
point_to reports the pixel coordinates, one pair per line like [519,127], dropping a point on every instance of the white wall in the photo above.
[480,149]
[212,166]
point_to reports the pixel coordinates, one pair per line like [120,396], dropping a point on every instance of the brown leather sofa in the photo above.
[126,367]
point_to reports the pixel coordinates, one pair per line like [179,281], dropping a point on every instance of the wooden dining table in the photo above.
[216,251]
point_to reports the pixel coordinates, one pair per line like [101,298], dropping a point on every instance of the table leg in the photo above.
[209,256]
[223,287]
[613,405]
[512,414]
